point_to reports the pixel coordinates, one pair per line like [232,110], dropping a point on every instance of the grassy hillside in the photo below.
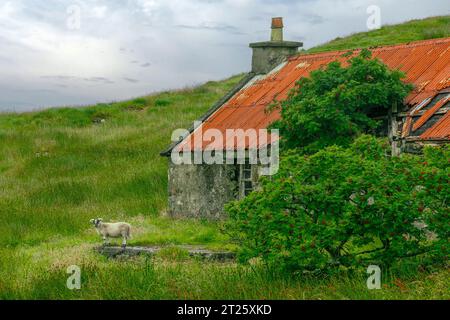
[430,28]
[61,167]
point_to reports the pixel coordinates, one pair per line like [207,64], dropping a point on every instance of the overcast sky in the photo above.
[119,49]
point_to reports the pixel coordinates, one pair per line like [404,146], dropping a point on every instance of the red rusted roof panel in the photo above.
[425,63]
[429,113]
[440,131]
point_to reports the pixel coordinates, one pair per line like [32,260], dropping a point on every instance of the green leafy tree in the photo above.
[336,103]
[342,206]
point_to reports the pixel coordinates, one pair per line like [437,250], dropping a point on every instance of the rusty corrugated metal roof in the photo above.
[425,63]
[441,130]
[429,113]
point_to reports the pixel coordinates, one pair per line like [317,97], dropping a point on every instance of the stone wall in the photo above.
[416,147]
[201,191]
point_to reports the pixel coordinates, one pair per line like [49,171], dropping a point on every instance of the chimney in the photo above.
[269,54]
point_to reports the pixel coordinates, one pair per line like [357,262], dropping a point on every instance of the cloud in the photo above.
[99,79]
[131,80]
[210,26]
[74,78]
[313,19]
[185,42]
[99,12]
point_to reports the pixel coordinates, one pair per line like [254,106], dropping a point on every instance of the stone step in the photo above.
[114,252]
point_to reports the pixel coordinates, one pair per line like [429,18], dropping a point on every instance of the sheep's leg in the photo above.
[105,241]
[124,242]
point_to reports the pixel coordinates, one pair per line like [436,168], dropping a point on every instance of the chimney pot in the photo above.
[277,23]
[277,29]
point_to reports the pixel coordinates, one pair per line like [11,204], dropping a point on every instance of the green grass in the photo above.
[430,28]
[39,272]
[61,167]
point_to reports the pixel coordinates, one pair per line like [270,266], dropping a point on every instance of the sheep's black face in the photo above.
[96,222]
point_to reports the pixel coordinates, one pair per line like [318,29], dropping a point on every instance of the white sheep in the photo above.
[112,230]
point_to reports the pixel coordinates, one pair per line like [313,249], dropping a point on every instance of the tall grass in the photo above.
[61,167]
[169,277]
[415,30]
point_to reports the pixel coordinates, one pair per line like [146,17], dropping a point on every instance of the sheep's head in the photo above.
[96,222]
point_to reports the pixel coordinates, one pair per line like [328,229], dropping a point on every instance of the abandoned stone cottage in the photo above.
[201,190]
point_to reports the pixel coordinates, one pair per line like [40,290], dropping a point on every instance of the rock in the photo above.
[116,252]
